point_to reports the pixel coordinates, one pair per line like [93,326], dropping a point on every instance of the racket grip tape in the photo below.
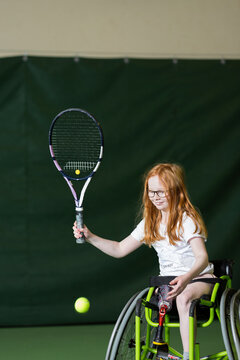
[79,220]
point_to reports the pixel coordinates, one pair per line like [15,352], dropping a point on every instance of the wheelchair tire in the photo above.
[122,342]
[226,323]
[235,319]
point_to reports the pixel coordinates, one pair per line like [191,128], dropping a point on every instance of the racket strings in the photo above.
[80,165]
[76,143]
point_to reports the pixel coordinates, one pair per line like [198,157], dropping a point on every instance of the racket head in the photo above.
[76,143]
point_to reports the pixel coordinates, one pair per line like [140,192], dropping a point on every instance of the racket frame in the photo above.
[69,179]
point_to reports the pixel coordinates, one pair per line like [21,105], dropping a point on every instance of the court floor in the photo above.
[55,342]
[82,342]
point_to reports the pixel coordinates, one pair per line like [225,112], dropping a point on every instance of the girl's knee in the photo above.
[184,300]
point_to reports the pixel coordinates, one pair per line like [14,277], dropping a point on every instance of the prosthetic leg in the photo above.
[164,307]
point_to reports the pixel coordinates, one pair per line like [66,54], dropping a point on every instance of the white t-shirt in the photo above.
[175,259]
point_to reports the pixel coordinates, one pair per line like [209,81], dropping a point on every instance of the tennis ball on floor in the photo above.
[82,305]
[77,172]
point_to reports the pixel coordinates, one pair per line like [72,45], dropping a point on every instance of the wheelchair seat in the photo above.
[222,271]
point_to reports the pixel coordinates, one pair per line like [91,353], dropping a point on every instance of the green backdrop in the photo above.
[151,111]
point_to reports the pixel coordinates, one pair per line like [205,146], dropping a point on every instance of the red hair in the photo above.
[172,176]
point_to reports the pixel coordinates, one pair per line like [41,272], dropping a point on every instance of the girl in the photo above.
[173,227]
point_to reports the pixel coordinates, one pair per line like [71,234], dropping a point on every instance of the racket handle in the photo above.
[79,220]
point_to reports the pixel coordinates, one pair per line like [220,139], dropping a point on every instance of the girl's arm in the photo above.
[113,248]
[201,256]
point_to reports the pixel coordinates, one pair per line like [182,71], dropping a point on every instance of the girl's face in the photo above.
[157,193]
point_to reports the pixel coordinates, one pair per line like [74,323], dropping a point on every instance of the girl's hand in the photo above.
[178,284]
[78,232]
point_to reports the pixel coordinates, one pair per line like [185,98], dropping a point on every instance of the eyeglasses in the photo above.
[160,193]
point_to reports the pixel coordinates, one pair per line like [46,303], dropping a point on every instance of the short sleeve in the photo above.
[189,230]
[138,232]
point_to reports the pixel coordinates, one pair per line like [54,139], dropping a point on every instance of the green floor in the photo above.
[55,342]
[80,342]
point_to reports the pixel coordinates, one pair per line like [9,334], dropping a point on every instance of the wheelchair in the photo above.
[138,332]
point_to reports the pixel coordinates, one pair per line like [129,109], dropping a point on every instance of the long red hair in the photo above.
[172,176]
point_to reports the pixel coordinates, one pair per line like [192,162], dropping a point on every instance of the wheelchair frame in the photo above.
[194,351]
[137,314]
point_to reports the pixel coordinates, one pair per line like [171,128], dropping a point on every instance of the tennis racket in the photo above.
[76,148]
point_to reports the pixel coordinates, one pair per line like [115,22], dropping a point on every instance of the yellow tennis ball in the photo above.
[77,172]
[82,305]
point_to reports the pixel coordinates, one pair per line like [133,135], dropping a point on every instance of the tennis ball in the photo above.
[77,172]
[82,305]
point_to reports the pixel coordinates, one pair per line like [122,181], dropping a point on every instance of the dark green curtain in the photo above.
[151,111]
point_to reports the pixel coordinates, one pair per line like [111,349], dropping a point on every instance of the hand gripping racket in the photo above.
[76,147]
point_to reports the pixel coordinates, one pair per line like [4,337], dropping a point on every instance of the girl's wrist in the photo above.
[91,238]
[188,277]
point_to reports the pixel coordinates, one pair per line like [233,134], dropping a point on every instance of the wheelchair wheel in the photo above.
[226,323]
[235,319]
[122,342]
